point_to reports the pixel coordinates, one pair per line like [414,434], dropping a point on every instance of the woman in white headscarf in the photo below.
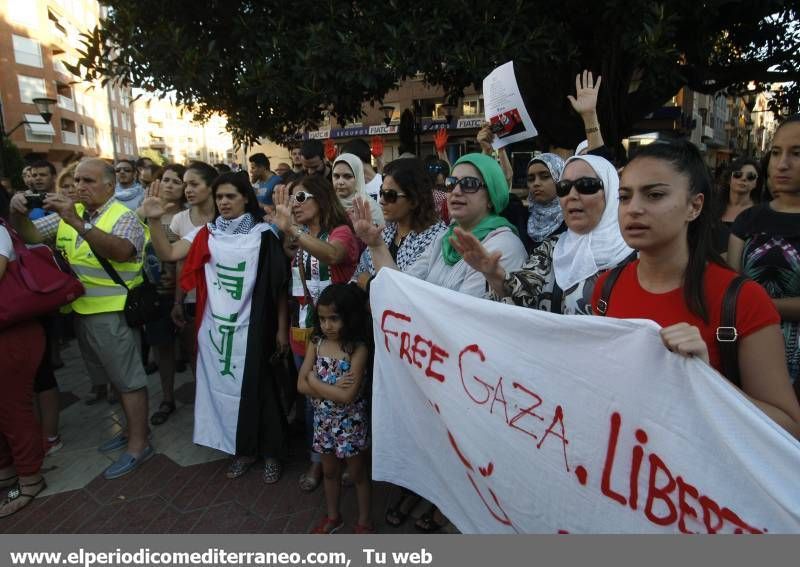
[348,182]
[561,272]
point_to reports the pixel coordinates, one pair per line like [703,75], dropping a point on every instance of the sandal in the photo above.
[239,466]
[309,482]
[8,482]
[398,513]
[16,494]
[427,523]
[272,471]
[328,525]
[163,413]
[362,529]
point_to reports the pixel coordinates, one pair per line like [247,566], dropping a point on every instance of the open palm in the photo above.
[474,253]
[370,234]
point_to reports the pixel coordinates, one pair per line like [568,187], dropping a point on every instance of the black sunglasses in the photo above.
[124,170]
[468,184]
[390,195]
[750,176]
[436,168]
[583,185]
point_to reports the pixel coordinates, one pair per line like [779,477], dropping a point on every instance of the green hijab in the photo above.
[497,187]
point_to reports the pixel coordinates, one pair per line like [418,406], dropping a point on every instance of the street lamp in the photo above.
[43,106]
[388,111]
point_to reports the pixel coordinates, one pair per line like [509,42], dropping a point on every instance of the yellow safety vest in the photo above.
[102,294]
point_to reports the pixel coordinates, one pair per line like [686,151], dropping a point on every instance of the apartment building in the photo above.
[172,132]
[37,39]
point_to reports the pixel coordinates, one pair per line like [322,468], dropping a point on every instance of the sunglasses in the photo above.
[749,176]
[468,184]
[123,170]
[302,196]
[436,168]
[583,185]
[390,195]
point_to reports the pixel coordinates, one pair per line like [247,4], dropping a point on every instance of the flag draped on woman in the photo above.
[239,279]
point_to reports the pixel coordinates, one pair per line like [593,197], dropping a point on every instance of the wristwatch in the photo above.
[87,226]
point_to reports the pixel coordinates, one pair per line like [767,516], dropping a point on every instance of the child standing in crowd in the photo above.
[333,374]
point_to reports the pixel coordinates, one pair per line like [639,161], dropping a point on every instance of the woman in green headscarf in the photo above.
[477,192]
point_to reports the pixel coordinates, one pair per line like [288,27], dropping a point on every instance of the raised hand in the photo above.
[361,215]
[440,140]
[284,218]
[585,99]
[485,138]
[476,255]
[152,206]
[685,339]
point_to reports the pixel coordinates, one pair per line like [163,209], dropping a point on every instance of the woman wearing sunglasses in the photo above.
[348,182]
[765,244]
[680,282]
[319,239]
[742,191]
[412,222]
[561,272]
[477,192]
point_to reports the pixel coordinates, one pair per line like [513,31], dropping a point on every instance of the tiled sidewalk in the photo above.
[182,489]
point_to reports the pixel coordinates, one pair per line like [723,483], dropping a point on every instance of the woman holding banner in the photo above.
[561,272]
[683,285]
[477,193]
[237,266]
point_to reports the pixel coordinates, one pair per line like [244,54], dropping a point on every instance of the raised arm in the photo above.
[371,235]
[585,103]
[153,209]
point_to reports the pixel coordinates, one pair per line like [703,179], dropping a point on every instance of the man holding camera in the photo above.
[99,225]
[42,175]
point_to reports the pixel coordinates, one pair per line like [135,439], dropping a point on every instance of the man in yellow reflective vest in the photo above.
[99,224]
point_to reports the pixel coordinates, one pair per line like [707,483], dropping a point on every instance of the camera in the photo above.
[34,201]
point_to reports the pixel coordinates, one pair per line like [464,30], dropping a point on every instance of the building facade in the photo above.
[171,131]
[38,39]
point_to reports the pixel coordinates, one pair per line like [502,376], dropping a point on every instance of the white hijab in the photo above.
[579,256]
[361,191]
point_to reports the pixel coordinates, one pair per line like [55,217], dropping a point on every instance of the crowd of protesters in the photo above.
[264,276]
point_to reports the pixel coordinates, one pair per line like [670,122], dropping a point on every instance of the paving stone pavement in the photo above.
[182,489]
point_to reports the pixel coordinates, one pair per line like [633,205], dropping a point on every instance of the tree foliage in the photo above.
[274,68]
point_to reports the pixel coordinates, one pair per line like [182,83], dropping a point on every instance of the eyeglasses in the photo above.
[123,170]
[301,196]
[750,176]
[583,185]
[468,184]
[390,195]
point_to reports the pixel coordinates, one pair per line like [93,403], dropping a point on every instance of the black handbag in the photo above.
[143,302]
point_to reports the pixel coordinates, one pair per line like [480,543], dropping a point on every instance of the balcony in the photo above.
[66,103]
[69,137]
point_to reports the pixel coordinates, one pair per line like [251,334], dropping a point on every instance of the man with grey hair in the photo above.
[100,226]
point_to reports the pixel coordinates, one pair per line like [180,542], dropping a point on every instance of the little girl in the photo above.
[333,375]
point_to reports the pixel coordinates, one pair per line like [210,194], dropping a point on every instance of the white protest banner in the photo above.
[515,420]
[505,109]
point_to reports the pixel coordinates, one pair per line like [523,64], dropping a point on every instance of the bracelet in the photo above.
[592,130]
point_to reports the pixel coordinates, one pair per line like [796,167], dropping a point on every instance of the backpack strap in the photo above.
[727,335]
[556,298]
[608,284]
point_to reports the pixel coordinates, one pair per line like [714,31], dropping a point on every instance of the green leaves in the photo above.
[240,57]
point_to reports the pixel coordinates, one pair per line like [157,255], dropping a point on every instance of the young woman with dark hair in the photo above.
[412,221]
[237,266]
[765,244]
[680,282]
[319,239]
[740,191]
